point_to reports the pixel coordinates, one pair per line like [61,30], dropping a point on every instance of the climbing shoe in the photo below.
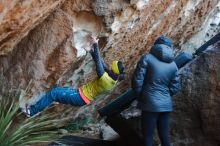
[26,110]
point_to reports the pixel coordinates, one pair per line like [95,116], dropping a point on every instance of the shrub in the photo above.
[17,130]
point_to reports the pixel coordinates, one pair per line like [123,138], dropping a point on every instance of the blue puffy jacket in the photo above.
[156,79]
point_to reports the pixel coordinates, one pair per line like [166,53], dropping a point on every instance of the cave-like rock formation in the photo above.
[197,105]
[42,41]
[19,17]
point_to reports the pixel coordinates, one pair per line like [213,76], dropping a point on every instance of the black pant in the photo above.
[149,122]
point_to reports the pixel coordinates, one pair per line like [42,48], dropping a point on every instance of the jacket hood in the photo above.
[162,52]
[164,40]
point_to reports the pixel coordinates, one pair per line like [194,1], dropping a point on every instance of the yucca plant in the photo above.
[38,129]
[77,124]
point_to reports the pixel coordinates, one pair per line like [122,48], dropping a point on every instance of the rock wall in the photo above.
[50,48]
[18,17]
[43,41]
[196,107]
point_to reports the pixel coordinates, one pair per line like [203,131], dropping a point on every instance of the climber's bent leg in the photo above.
[58,94]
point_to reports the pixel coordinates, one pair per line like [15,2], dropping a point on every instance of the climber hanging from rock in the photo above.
[107,79]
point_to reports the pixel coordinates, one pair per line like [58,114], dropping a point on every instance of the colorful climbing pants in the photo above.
[64,95]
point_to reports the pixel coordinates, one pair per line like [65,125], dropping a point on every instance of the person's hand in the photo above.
[88,43]
[93,40]
[88,48]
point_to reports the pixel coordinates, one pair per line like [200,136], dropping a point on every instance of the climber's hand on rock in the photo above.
[94,40]
[91,40]
[88,48]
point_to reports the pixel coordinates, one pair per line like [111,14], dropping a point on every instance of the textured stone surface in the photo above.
[196,119]
[43,41]
[18,17]
[50,49]
[107,133]
[62,36]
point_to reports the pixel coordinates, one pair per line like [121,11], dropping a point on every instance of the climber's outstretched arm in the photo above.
[97,59]
[105,66]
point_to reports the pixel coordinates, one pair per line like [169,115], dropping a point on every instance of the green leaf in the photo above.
[38,129]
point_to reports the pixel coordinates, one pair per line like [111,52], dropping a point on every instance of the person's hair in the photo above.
[164,40]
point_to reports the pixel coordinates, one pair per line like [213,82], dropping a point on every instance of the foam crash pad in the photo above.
[82,141]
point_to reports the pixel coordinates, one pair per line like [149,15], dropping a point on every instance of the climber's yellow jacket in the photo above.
[96,87]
